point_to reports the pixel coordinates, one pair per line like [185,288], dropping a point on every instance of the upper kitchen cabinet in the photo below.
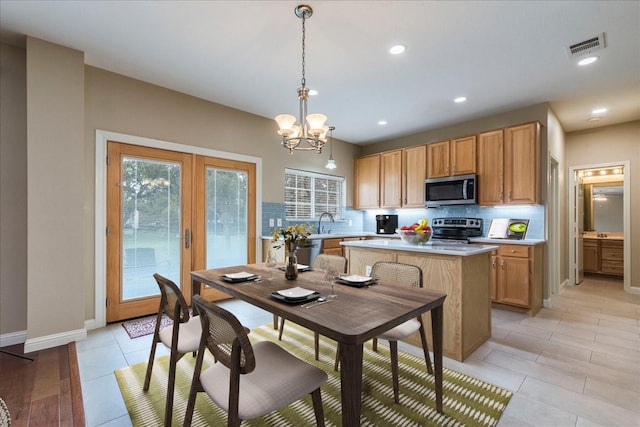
[449,158]
[391,179]
[414,167]
[367,182]
[509,166]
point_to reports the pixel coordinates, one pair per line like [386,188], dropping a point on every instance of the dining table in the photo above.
[356,315]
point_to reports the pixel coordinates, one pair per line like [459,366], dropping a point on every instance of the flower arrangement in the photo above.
[293,235]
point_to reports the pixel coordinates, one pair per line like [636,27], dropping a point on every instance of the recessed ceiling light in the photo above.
[313,92]
[382,122]
[599,111]
[460,99]
[397,49]
[588,60]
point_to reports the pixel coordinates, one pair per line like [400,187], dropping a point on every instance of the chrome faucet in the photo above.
[320,229]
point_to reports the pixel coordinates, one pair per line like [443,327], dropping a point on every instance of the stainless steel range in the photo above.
[455,230]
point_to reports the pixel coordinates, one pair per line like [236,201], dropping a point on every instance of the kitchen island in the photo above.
[461,271]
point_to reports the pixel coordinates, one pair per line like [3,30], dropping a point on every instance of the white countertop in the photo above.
[397,245]
[343,235]
[529,242]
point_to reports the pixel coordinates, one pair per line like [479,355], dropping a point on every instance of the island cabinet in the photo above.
[465,280]
[516,277]
[509,165]
[454,157]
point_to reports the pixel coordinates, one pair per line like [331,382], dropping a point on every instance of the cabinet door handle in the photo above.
[502,265]
[493,264]
[509,195]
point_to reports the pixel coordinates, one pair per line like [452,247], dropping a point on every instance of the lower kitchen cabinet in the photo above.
[590,256]
[516,276]
[333,247]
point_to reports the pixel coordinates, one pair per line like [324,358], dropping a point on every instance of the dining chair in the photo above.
[322,262]
[182,337]
[248,381]
[409,275]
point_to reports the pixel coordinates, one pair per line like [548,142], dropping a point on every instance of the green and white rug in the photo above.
[467,401]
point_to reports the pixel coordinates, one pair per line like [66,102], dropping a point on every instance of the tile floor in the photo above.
[575,364]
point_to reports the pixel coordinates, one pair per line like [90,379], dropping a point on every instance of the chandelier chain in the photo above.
[303,51]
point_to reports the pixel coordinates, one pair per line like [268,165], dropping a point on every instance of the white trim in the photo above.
[13,338]
[552,226]
[102,136]
[90,324]
[55,340]
[626,220]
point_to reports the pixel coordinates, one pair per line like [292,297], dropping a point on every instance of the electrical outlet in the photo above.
[279,222]
[350,223]
[367,271]
[272,222]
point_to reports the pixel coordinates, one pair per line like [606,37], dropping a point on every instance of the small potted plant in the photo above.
[294,236]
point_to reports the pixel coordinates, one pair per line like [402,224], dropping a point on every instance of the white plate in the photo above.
[296,292]
[354,278]
[302,267]
[241,275]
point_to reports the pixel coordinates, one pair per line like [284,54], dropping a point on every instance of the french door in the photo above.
[171,213]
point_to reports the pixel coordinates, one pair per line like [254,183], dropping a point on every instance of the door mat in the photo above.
[144,325]
[467,401]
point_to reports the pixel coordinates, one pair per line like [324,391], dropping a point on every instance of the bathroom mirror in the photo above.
[603,207]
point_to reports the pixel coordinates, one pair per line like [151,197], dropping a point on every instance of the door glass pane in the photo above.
[151,225]
[227,212]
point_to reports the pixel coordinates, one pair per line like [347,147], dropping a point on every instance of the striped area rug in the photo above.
[467,401]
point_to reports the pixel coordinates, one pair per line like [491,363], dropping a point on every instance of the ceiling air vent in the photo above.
[586,46]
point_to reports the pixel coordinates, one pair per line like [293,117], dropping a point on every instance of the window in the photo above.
[307,194]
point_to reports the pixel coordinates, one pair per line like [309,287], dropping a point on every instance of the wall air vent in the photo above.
[586,46]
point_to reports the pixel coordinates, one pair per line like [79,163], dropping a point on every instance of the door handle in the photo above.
[187,238]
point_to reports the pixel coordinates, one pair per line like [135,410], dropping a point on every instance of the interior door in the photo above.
[579,229]
[225,215]
[149,198]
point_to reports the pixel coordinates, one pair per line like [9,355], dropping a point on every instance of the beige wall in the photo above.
[607,145]
[13,191]
[55,192]
[120,104]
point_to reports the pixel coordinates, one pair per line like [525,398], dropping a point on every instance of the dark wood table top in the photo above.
[355,316]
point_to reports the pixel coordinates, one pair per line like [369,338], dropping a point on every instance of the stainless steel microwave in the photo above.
[452,190]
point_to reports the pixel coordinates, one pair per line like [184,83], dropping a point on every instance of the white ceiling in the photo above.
[246,54]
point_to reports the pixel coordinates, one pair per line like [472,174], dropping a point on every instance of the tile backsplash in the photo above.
[365,221]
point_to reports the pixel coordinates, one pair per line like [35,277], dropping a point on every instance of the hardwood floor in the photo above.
[45,391]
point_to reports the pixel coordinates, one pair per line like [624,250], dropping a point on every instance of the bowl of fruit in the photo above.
[417,233]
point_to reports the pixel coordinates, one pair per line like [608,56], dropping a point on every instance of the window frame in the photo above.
[315,210]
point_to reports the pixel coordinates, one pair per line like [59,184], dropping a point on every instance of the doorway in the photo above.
[171,212]
[584,174]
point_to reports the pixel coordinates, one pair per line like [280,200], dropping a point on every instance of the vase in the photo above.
[291,269]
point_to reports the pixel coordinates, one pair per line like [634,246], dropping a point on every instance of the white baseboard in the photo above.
[55,340]
[563,285]
[90,324]
[13,338]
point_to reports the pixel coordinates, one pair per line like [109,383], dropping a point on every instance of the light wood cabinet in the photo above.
[467,308]
[603,256]
[455,157]
[367,182]
[414,166]
[590,256]
[516,276]
[391,179]
[509,165]
[332,246]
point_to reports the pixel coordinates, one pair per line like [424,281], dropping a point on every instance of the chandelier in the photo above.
[310,132]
